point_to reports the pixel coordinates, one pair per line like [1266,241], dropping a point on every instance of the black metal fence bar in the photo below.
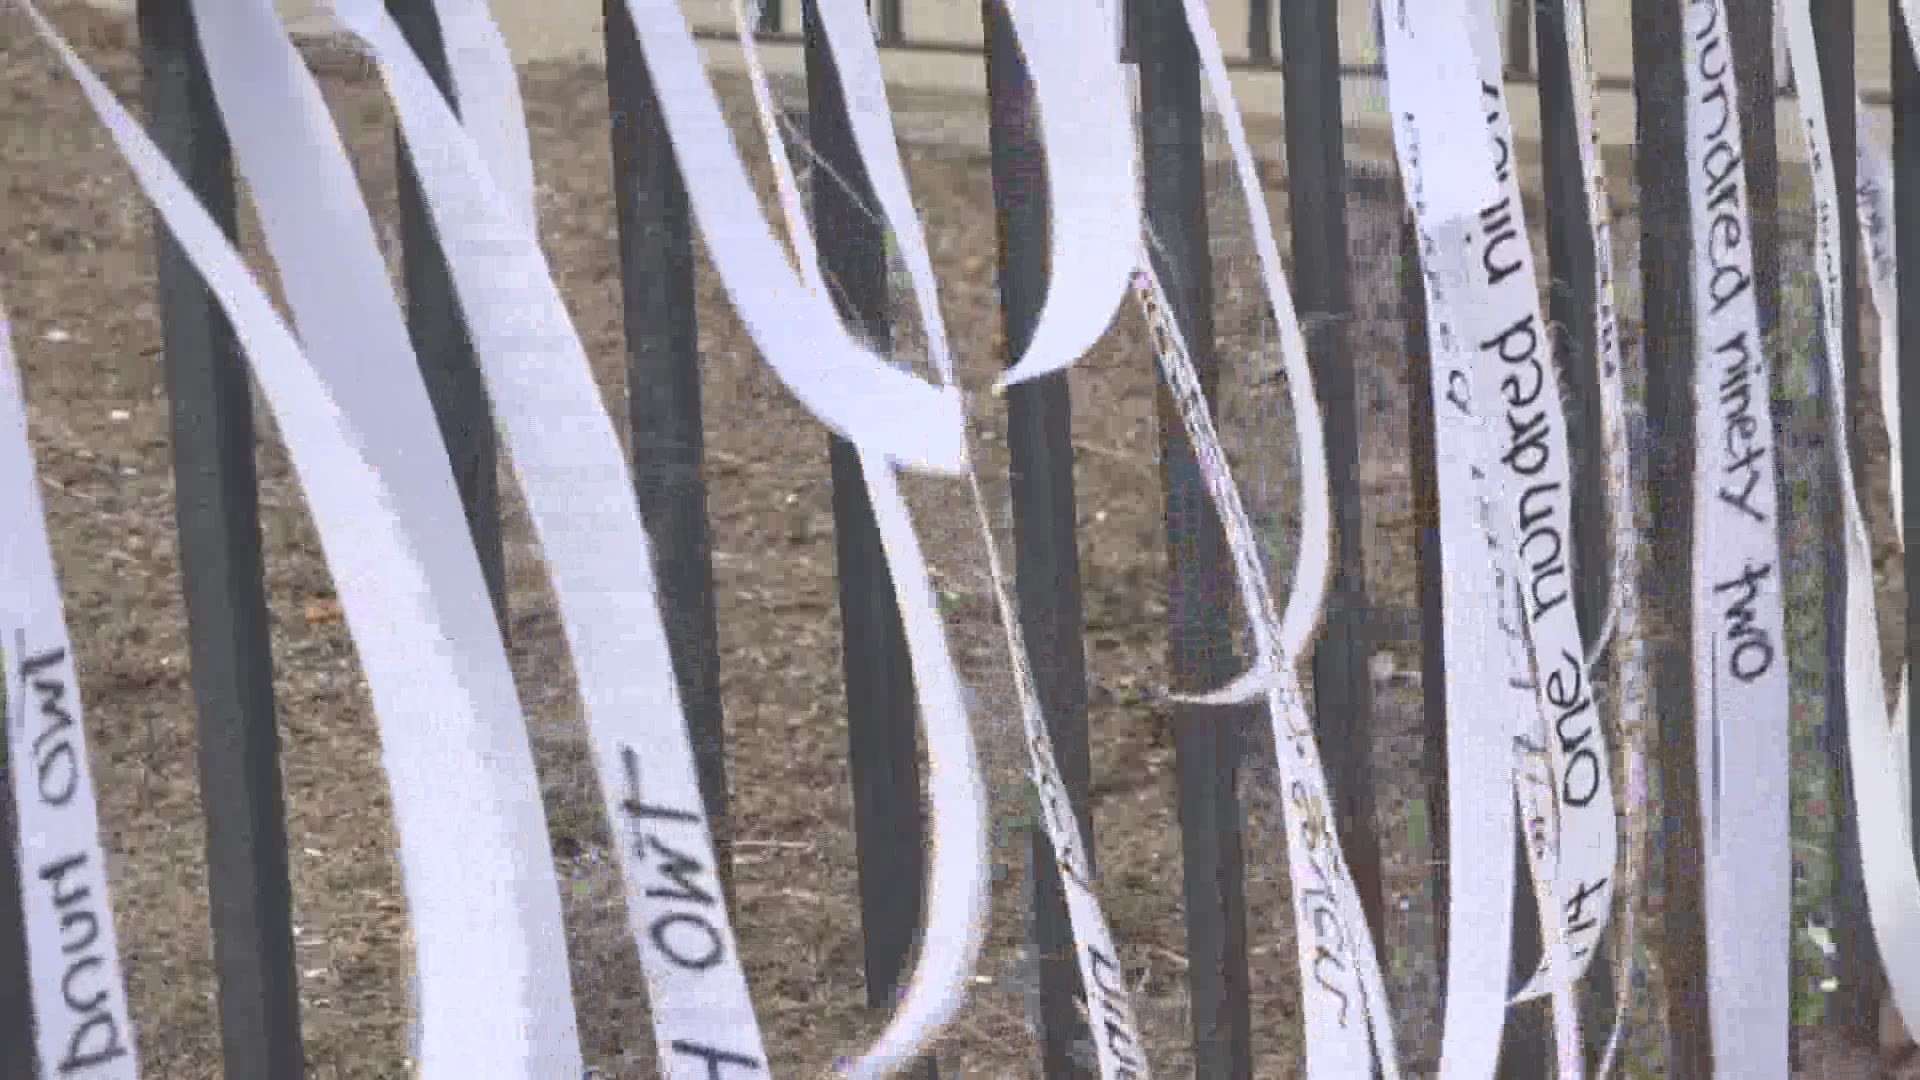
[664,400]
[1906,219]
[1260,31]
[889,23]
[439,334]
[217,510]
[881,712]
[1425,481]
[16,1001]
[1855,1006]
[1207,741]
[1668,323]
[1047,555]
[1317,205]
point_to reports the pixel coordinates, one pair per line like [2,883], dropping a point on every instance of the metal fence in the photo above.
[219,522]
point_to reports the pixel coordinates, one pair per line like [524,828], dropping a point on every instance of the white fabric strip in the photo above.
[1739,651]
[1119,1049]
[858,394]
[954,919]
[322,240]
[1348,1026]
[580,497]
[1622,625]
[1873,745]
[487,90]
[1466,311]
[934,989]
[1875,189]
[1313,570]
[461,774]
[1489,698]
[78,993]
[1080,91]
[1333,1044]
[1490,689]
[1517,369]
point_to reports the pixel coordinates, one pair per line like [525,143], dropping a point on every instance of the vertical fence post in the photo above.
[664,402]
[890,25]
[1856,1004]
[881,713]
[1260,31]
[1906,223]
[1668,319]
[1047,554]
[16,988]
[438,329]
[217,514]
[1317,205]
[1571,259]
[1206,740]
[1520,36]
[1425,477]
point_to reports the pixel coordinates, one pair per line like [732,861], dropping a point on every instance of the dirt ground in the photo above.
[76,270]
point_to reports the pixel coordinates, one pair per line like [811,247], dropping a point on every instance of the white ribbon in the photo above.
[1622,622]
[73,955]
[321,237]
[580,497]
[1118,1046]
[1517,369]
[486,911]
[1875,190]
[1348,1023]
[487,90]
[1874,741]
[954,916]
[1497,740]
[883,410]
[1739,651]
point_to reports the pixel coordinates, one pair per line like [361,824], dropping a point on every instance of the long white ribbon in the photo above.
[486,915]
[580,497]
[1485,252]
[1348,1026]
[1622,622]
[79,995]
[1875,190]
[1119,1049]
[1348,1023]
[1886,852]
[321,237]
[487,90]
[852,390]
[1518,369]
[954,916]
[1486,696]
[1739,657]
[1491,692]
